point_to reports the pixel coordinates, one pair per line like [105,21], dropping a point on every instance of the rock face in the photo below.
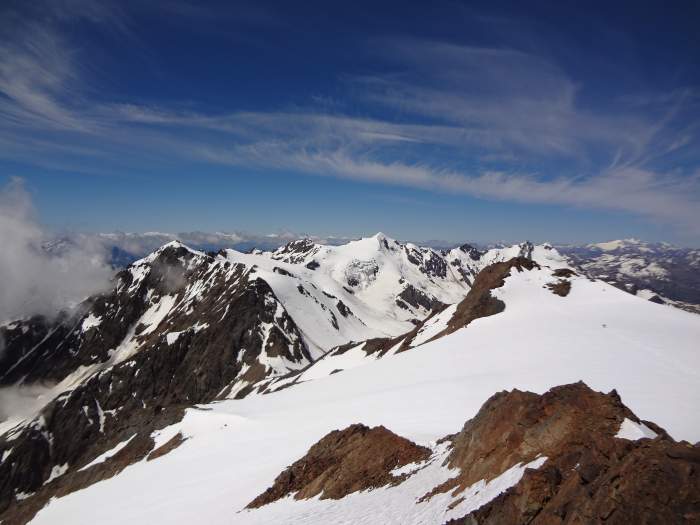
[175,298]
[296,252]
[598,463]
[345,461]
[591,476]
[479,302]
[179,328]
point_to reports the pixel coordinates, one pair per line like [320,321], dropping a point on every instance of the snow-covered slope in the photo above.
[235,448]
[372,287]
[399,280]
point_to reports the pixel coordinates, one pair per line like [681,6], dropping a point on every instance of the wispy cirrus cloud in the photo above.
[492,123]
[42,77]
[667,197]
[504,99]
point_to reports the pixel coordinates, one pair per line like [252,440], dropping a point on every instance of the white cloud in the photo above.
[20,402]
[34,281]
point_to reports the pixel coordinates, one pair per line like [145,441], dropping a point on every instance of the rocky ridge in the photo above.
[591,461]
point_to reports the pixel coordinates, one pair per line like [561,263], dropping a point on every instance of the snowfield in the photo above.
[235,448]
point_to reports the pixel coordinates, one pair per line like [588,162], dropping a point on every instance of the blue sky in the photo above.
[463,121]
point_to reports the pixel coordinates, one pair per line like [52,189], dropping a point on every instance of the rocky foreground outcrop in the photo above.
[597,463]
[346,461]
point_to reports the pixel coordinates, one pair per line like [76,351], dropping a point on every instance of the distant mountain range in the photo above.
[658,272]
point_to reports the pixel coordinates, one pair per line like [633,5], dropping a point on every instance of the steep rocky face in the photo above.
[174,295]
[427,260]
[296,252]
[26,345]
[418,299]
[467,268]
[179,328]
[516,427]
[591,461]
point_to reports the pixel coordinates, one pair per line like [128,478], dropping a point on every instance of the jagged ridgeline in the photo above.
[188,346]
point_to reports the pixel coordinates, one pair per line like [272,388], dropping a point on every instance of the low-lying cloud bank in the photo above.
[19,402]
[37,281]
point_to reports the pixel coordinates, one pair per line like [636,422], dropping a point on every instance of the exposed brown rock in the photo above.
[654,482]
[345,461]
[564,272]
[590,475]
[479,302]
[167,447]
[562,287]
[514,427]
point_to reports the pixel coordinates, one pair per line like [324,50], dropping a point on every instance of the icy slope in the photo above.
[598,334]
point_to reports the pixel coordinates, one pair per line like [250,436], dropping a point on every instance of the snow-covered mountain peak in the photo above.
[171,251]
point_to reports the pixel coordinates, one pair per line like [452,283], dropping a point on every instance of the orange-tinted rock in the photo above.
[343,462]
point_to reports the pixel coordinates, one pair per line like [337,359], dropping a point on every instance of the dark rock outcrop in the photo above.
[473,253]
[198,347]
[418,299]
[345,461]
[296,252]
[562,287]
[479,302]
